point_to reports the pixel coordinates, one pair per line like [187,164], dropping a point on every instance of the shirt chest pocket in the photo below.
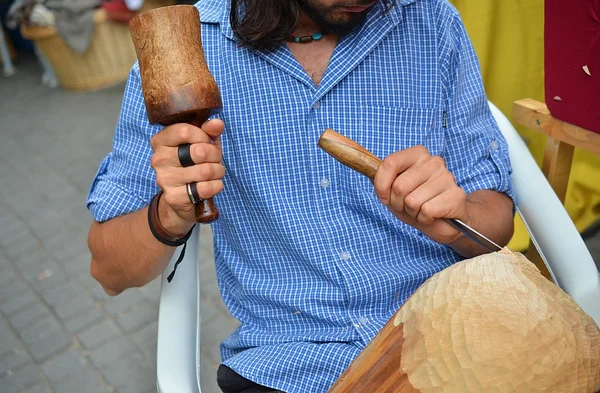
[386,130]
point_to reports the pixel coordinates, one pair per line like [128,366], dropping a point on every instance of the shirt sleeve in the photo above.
[125,181]
[475,151]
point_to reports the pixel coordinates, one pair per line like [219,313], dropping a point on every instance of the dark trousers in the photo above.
[231,382]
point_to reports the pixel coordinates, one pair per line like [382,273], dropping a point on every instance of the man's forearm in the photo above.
[490,213]
[125,254]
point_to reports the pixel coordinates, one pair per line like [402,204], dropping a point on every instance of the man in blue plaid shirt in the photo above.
[312,258]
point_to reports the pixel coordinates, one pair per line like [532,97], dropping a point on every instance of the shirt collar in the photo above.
[394,14]
[216,12]
[226,21]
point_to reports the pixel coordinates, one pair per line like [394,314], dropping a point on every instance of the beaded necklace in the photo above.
[307,38]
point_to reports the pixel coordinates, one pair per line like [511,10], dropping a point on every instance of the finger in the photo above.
[178,177]
[206,153]
[440,231]
[448,204]
[179,134]
[208,189]
[202,173]
[214,128]
[177,197]
[405,184]
[200,152]
[392,166]
[434,208]
[414,201]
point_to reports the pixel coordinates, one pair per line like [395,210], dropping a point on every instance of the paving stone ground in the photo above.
[59,332]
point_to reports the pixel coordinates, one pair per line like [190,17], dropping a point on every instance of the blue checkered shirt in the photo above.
[307,259]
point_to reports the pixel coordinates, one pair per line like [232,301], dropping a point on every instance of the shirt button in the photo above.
[324,183]
[494,145]
[363,320]
[345,255]
[316,105]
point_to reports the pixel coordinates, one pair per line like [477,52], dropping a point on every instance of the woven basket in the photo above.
[106,62]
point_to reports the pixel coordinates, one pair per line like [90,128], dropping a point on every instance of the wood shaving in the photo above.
[587,70]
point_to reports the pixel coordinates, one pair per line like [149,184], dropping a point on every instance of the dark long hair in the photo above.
[264,24]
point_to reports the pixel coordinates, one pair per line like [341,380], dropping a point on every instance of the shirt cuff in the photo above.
[495,176]
[108,199]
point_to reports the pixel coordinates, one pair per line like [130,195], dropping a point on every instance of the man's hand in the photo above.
[418,189]
[125,254]
[176,211]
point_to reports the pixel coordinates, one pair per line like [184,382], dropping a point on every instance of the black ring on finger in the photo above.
[194,191]
[184,154]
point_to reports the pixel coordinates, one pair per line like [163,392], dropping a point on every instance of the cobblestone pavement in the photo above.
[59,332]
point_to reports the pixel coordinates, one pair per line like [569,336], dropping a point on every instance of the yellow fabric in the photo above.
[508,36]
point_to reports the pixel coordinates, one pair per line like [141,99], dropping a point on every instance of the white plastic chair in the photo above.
[552,231]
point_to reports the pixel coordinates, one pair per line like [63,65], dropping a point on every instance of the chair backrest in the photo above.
[549,225]
[178,340]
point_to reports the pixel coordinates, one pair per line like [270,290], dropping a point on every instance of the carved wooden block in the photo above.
[488,324]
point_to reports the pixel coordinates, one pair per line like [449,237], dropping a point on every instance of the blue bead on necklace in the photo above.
[307,38]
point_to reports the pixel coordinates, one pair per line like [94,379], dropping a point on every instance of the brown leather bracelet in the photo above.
[160,233]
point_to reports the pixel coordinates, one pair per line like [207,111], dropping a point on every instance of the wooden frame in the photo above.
[562,139]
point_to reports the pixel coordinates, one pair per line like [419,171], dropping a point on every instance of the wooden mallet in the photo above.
[176,82]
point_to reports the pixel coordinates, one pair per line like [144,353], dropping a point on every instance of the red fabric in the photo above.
[117,11]
[572,41]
